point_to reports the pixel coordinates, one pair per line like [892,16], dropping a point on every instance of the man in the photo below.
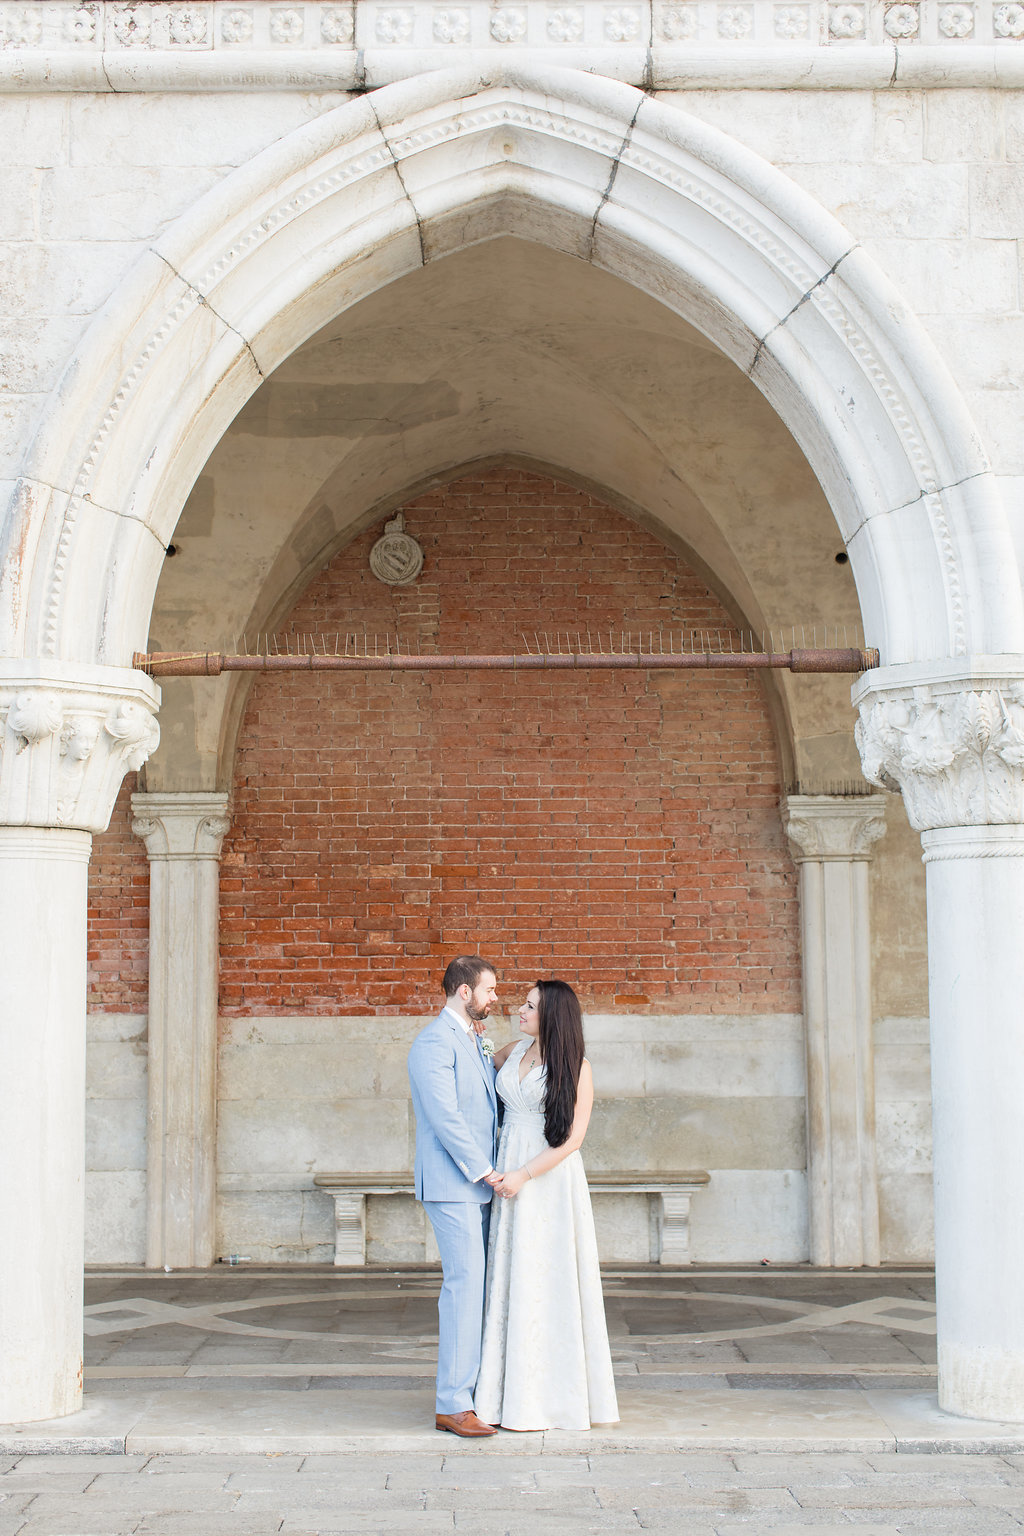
[456,1108]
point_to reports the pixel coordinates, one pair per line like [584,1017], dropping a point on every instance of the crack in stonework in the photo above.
[606,194]
[936,490]
[204,301]
[798,305]
[895,64]
[401,180]
[106,75]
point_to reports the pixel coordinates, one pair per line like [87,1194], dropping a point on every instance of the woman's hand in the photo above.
[509,1185]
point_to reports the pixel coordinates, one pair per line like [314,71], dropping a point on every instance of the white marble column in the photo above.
[183,833]
[955,746]
[68,734]
[832,838]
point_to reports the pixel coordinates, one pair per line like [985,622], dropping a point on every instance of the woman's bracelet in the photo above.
[526,1170]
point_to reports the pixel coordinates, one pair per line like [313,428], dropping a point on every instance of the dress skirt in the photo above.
[545,1363]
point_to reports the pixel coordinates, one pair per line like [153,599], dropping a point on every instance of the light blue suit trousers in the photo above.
[460,1227]
[455,1104]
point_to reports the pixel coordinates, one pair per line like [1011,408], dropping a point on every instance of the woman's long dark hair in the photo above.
[561,1048]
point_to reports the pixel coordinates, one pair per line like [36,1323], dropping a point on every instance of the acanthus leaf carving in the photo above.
[956,753]
[34,716]
[72,733]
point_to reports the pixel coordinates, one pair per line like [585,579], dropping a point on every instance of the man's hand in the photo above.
[493,1179]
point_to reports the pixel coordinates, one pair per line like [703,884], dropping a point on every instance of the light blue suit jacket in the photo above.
[456,1107]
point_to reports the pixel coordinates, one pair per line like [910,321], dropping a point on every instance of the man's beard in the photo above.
[478,1014]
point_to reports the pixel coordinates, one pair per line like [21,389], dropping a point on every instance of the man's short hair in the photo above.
[465,971]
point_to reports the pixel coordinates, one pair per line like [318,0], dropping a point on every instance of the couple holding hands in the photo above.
[522,1340]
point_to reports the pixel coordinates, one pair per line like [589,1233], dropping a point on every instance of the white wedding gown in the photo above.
[545,1363]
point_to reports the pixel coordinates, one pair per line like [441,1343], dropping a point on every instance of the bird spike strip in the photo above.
[560,650]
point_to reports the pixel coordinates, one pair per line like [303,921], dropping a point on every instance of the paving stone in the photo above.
[603,1523]
[85,1523]
[815,1528]
[307,1502]
[713,1501]
[885,1496]
[74,1465]
[468,1500]
[352,1523]
[939,1465]
[629,1470]
[143,1485]
[273,1463]
[968,1521]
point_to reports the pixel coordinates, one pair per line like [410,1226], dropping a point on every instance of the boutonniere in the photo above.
[487,1046]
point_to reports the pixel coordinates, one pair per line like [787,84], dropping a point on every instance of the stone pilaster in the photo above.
[832,839]
[952,740]
[68,734]
[183,835]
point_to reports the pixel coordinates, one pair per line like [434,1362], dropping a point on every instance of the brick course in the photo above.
[621,831]
[118,935]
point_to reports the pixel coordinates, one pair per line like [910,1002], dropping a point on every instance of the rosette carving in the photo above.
[957,754]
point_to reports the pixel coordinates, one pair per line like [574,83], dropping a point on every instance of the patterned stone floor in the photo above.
[677,1330]
[318,1361]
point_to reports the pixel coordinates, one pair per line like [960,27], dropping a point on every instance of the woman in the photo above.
[545,1362]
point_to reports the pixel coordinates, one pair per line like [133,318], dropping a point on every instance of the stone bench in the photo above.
[675,1191]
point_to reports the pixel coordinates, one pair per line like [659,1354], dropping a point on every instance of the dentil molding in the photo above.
[828,828]
[68,736]
[954,747]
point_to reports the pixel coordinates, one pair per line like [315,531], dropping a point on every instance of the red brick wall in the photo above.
[119,915]
[620,831]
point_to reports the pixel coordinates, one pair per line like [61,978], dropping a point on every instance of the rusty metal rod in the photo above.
[213,663]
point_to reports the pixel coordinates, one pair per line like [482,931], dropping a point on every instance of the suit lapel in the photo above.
[474,1050]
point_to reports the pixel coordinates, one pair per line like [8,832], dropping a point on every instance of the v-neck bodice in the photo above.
[526,1097]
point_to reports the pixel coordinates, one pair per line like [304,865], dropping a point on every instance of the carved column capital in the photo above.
[831,827]
[189,824]
[952,744]
[68,735]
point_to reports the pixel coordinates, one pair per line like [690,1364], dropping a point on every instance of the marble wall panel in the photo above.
[746,1215]
[34,130]
[396,1230]
[294,1226]
[115,1217]
[906,1210]
[790,126]
[280,1135]
[624,1228]
[216,130]
[688,1131]
[920,200]
[115,1157]
[116,203]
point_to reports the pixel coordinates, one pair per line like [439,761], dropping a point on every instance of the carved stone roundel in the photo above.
[396,558]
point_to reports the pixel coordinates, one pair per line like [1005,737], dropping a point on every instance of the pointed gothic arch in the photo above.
[411,172]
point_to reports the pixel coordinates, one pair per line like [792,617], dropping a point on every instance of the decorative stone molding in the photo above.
[953,746]
[825,827]
[68,736]
[316,28]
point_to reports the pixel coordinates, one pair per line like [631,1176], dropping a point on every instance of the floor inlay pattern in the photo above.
[670,1331]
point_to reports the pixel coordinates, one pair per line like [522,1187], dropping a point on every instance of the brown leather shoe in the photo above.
[465,1423]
